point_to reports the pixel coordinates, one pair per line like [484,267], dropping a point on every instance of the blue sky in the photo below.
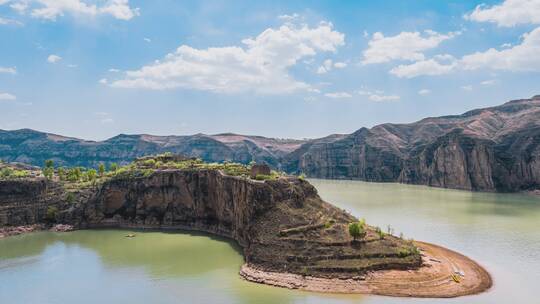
[294,69]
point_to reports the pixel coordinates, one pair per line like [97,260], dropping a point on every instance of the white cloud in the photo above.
[509,13]
[147,40]
[321,70]
[488,82]
[103,81]
[104,117]
[378,95]
[521,57]
[424,92]
[325,67]
[379,98]
[20,7]
[114,70]
[53,58]
[7,97]
[5,21]
[338,95]
[260,65]
[425,67]
[404,46]
[51,9]
[328,65]
[289,18]
[467,88]
[8,70]
[506,45]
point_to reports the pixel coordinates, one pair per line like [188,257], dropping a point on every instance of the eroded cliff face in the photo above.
[203,200]
[25,202]
[281,224]
[492,149]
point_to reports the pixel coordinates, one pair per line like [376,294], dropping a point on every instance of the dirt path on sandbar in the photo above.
[444,274]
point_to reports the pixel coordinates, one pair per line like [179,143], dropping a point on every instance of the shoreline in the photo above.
[18,230]
[432,280]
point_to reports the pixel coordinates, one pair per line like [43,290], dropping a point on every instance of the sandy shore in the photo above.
[445,274]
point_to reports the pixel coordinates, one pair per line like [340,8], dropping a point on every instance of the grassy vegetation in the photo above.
[11,173]
[82,177]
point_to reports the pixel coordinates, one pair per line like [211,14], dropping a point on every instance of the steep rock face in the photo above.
[348,157]
[204,200]
[491,149]
[281,224]
[453,161]
[23,203]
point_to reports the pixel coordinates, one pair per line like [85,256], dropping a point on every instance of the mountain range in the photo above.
[489,149]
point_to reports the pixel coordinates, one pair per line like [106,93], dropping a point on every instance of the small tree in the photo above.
[91,174]
[113,167]
[380,233]
[356,230]
[61,173]
[6,172]
[48,170]
[49,163]
[101,169]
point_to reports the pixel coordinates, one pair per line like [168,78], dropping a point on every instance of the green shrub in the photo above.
[150,162]
[6,172]
[49,163]
[48,172]
[262,177]
[61,173]
[329,223]
[356,230]
[91,175]
[101,169]
[113,167]
[20,173]
[70,198]
[380,233]
[52,211]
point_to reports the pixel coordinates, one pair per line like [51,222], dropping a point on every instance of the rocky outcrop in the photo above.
[281,224]
[491,149]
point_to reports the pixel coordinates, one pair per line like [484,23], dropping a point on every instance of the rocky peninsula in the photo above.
[289,236]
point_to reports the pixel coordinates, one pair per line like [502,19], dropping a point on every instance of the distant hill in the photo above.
[33,147]
[490,149]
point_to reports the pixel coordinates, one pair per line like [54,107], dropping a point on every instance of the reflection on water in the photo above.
[498,230]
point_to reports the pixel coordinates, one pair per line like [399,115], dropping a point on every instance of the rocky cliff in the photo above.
[490,149]
[281,223]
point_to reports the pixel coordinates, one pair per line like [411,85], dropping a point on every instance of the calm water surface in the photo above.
[500,231]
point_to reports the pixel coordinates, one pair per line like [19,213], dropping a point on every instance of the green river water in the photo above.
[500,231]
